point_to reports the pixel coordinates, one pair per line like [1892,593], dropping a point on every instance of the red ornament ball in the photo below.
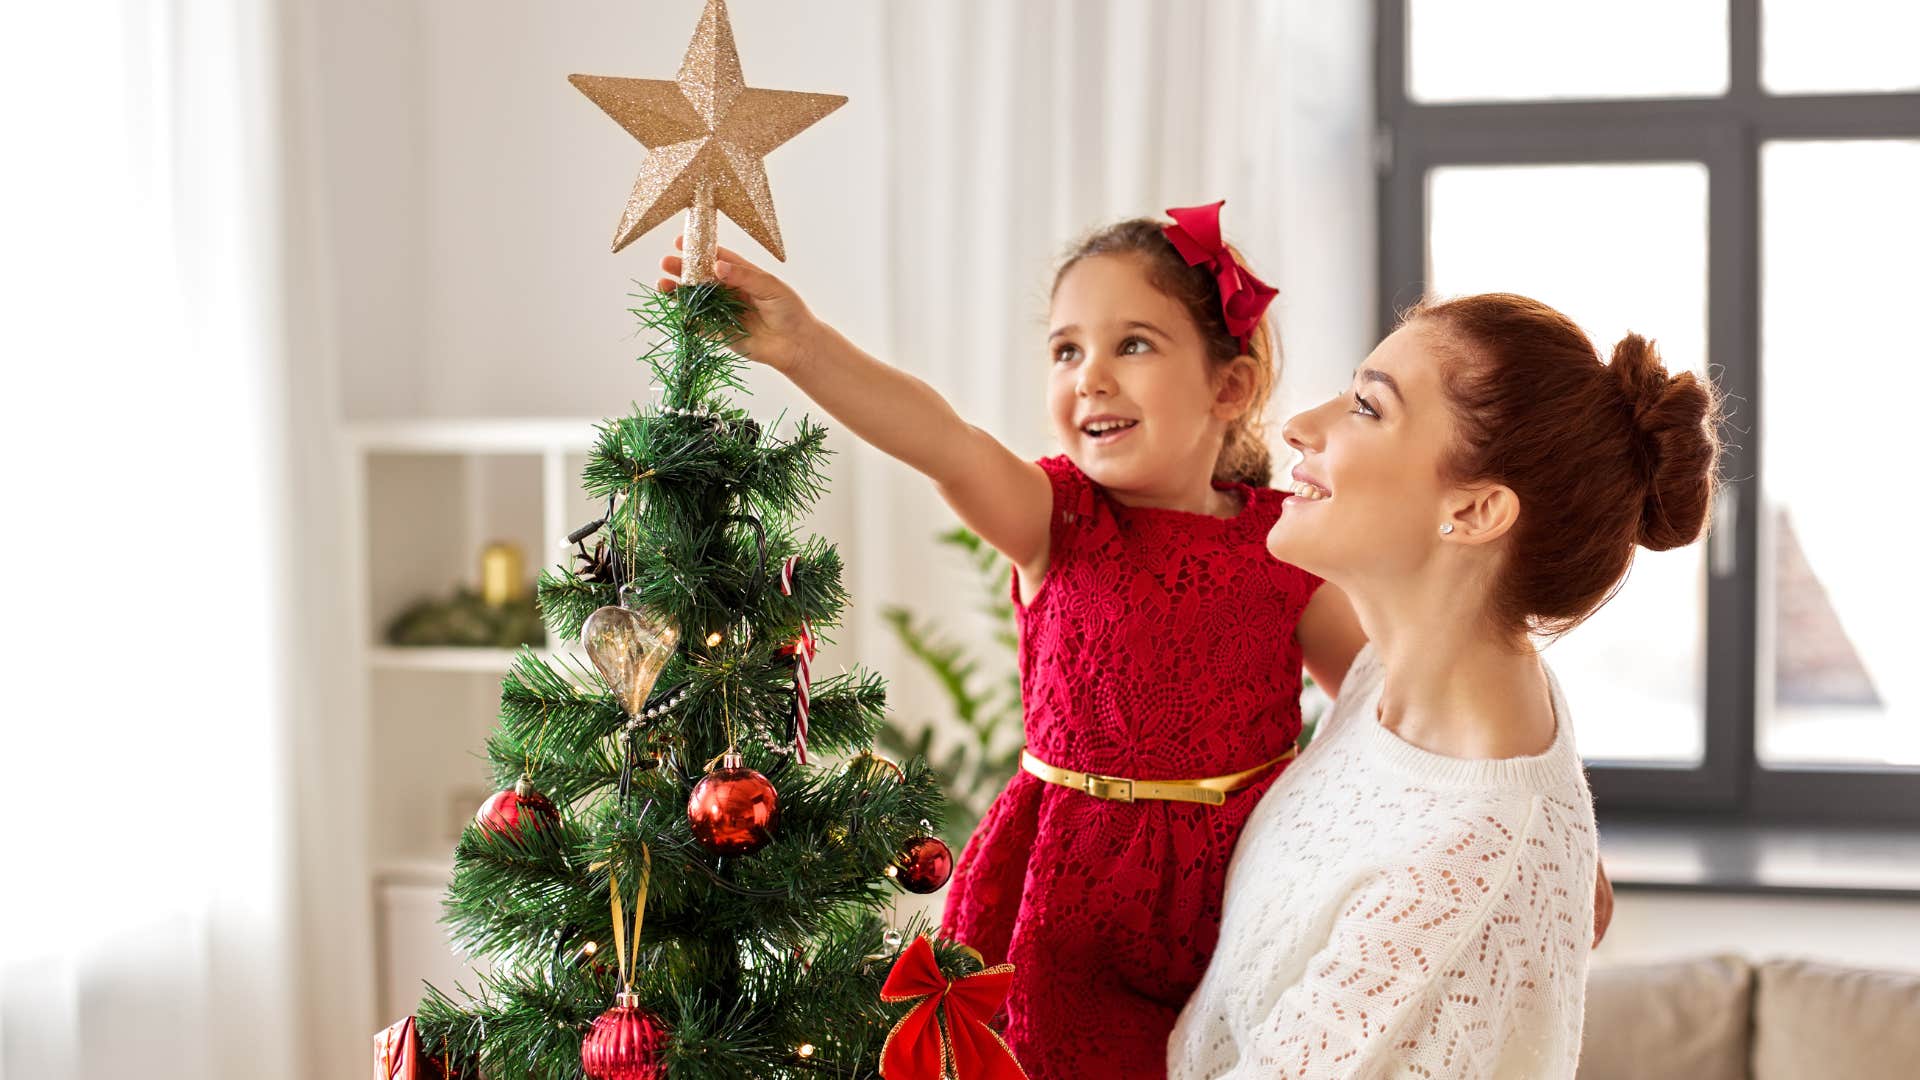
[925,865]
[504,812]
[625,1043]
[734,809]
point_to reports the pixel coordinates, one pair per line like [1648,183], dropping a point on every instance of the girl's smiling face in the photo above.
[1132,396]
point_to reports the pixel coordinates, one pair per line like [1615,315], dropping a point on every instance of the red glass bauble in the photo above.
[733,810]
[625,1044]
[924,865]
[504,811]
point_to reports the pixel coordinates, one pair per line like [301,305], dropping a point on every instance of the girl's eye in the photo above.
[1066,353]
[1364,407]
[1127,347]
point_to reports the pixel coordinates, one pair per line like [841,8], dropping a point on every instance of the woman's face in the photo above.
[1370,496]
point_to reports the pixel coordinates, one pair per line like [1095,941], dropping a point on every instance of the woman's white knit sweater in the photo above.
[1391,912]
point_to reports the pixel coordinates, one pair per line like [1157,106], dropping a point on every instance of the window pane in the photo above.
[1617,248]
[1828,46]
[1513,50]
[1841,365]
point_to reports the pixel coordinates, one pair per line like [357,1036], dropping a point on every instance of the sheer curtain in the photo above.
[1014,127]
[160,689]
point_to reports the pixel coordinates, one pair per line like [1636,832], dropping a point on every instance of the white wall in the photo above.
[472,192]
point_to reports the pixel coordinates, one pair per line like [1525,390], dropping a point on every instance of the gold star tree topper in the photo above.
[706,134]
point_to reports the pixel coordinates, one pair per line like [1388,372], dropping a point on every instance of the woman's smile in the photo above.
[1305,489]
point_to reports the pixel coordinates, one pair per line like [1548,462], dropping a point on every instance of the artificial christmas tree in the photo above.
[666,885]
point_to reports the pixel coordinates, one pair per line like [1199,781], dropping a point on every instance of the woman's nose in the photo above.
[1303,431]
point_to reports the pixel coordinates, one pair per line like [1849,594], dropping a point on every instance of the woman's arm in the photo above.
[1330,637]
[1004,498]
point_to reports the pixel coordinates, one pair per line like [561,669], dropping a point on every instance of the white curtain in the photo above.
[161,687]
[1013,128]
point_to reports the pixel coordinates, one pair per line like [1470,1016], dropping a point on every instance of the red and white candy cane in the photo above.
[801,650]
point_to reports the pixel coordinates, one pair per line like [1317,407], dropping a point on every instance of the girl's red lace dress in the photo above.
[1159,647]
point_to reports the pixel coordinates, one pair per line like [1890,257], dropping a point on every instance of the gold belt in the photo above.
[1211,790]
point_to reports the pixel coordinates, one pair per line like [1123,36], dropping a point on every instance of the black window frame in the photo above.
[1725,134]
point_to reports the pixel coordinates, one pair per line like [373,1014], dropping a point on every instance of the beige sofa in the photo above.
[1723,1018]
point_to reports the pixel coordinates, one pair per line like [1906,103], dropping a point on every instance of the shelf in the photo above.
[429,868]
[477,436]
[447,658]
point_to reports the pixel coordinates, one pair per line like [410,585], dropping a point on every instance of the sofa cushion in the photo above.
[1674,1021]
[1818,1020]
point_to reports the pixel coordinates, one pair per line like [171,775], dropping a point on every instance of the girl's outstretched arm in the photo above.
[1004,498]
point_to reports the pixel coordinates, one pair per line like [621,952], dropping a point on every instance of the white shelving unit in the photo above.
[427,497]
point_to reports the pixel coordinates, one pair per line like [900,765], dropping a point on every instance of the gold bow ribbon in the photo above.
[620,918]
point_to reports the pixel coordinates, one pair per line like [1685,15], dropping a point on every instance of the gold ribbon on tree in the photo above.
[627,964]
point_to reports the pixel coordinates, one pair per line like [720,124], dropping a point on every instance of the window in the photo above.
[1741,191]
[1521,50]
[1839,232]
[1636,255]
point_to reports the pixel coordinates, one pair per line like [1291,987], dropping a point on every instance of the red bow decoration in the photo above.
[1195,234]
[927,1040]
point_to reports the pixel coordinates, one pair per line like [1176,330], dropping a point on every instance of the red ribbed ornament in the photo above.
[625,1043]
[504,811]
[733,810]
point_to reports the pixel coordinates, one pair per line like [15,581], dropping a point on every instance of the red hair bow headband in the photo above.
[925,1045]
[1195,234]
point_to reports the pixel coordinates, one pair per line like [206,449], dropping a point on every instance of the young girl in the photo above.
[1160,647]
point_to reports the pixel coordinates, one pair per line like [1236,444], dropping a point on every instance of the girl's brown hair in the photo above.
[1604,457]
[1244,458]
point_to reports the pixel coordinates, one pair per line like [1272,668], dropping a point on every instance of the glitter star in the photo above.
[706,134]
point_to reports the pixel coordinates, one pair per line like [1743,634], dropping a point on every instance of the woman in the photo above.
[1414,897]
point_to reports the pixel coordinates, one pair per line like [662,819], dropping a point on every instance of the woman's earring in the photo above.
[1447,529]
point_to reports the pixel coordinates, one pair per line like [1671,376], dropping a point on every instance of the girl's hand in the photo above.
[780,329]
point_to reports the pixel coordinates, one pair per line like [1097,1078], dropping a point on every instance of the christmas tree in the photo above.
[670,883]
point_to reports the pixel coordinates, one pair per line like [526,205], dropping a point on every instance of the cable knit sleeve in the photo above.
[1438,969]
